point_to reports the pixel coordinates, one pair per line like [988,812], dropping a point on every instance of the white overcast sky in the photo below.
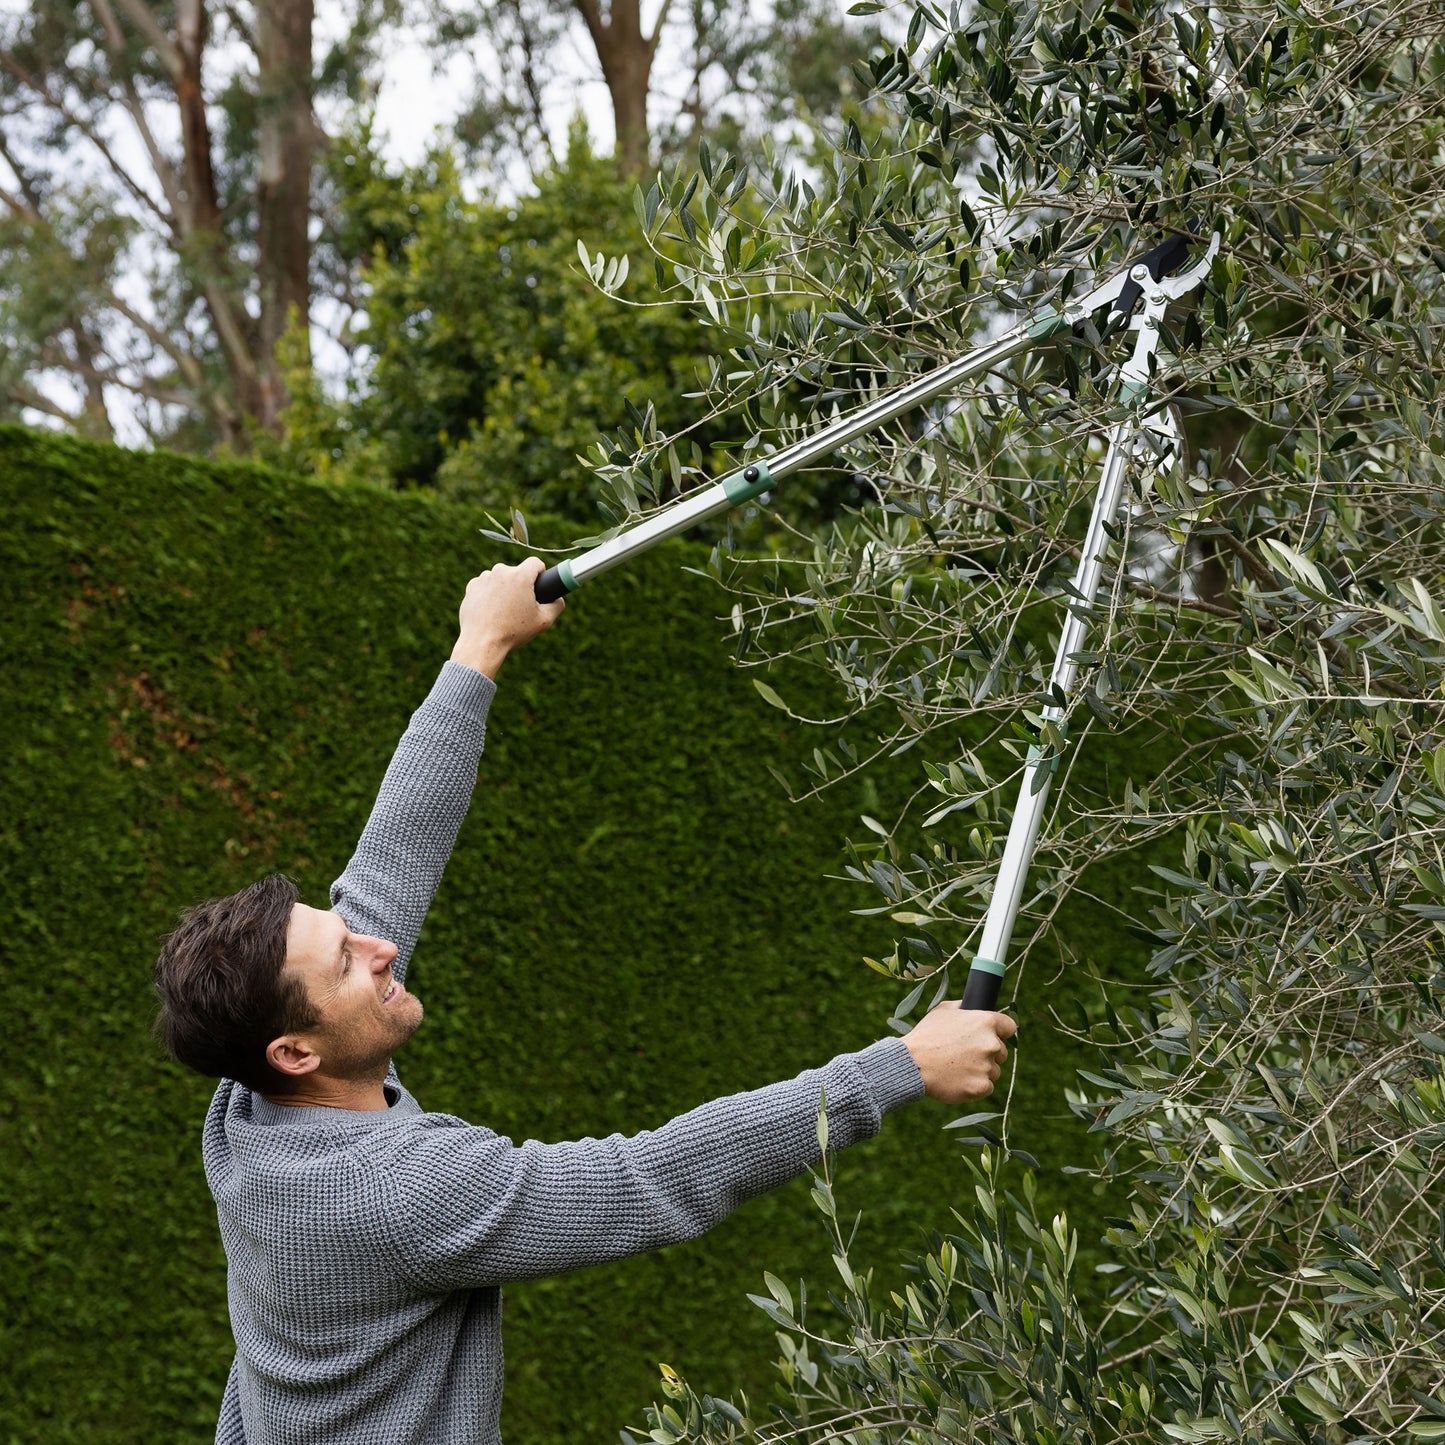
[414,101]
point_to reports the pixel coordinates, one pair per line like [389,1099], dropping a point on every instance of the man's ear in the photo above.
[292,1054]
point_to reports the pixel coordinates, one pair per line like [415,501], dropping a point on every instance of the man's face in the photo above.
[365,1014]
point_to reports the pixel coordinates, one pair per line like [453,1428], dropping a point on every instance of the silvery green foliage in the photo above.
[1276,616]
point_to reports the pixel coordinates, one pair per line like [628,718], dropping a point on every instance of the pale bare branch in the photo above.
[27,396]
[91,132]
[185,361]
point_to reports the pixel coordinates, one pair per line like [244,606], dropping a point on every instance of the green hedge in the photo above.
[206,668]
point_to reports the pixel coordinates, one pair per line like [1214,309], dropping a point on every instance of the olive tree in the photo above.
[1269,1099]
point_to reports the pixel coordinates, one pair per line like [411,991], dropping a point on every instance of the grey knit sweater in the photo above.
[366,1251]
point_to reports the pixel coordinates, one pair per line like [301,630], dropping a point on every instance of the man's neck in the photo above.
[363,1095]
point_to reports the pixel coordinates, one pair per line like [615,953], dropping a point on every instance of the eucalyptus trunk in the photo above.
[626,52]
[287,145]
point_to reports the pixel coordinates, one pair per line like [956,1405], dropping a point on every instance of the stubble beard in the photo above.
[364,1056]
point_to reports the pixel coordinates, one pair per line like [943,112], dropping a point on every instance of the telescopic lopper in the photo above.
[1152,279]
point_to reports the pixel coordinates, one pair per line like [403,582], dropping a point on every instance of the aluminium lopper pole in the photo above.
[985,974]
[1120,293]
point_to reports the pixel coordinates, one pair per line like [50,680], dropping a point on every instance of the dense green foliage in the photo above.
[206,669]
[492,361]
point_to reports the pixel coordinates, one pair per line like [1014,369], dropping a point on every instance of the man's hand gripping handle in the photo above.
[501,613]
[960,1051]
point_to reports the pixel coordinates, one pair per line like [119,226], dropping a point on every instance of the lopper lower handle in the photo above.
[981,990]
[549,586]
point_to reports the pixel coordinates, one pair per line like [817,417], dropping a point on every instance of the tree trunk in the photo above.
[204,245]
[627,85]
[287,137]
[626,56]
[94,421]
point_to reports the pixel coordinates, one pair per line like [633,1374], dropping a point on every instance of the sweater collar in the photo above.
[265,1112]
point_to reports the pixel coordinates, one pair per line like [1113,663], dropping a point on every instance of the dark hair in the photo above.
[224,995]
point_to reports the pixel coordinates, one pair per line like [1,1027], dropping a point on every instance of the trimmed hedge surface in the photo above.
[206,668]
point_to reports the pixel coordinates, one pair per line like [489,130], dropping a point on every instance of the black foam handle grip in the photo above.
[549,586]
[981,990]
[1166,258]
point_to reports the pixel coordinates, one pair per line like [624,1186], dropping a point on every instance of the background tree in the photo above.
[784,76]
[170,209]
[1273,1100]
[491,360]
[625,51]
[156,167]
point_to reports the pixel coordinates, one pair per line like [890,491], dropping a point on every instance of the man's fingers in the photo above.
[961,1053]
[531,569]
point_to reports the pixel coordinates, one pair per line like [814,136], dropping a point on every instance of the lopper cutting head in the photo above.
[1121,293]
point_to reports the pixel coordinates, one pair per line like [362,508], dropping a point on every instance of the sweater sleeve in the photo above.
[471,1208]
[391,879]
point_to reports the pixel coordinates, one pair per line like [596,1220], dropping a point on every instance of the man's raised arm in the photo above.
[389,884]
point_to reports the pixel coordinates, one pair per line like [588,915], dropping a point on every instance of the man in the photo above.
[367,1241]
